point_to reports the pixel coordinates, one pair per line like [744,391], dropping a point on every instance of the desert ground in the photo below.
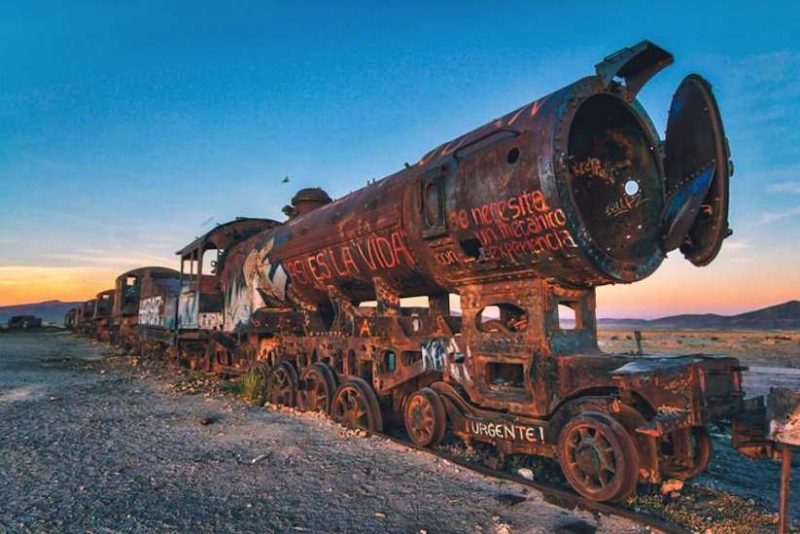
[90,444]
[95,440]
[759,348]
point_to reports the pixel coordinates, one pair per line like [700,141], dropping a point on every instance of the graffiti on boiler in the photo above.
[358,257]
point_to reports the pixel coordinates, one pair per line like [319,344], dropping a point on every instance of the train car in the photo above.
[70,318]
[144,304]
[24,322]
[101,316]
[84,324]
[518,219]
[183,319]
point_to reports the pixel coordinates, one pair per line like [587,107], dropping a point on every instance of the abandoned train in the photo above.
[518,218]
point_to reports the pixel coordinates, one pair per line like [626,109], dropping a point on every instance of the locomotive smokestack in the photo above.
[307,200]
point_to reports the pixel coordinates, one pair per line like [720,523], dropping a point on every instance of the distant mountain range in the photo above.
[784,316]
[51,311]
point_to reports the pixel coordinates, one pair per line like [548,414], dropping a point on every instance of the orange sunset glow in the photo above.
[20,285]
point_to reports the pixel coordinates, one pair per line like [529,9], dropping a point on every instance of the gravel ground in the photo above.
[89,447]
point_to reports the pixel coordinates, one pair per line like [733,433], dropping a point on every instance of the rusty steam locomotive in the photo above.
[519,218]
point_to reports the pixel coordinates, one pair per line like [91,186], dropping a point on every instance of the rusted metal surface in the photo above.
[786,472]
[84,323]
[71,319]
[145,301]
[783,416]
[104,303]
[516,220]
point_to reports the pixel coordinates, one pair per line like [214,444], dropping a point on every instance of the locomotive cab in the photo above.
[200,303]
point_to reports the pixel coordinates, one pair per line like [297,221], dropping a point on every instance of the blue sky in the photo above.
[126,130]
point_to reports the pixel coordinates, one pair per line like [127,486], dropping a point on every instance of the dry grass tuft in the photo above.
[254,384]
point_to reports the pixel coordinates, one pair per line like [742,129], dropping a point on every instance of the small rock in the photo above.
[207,420]
[670,486]
[54,398]
[525,473]
[380,515]
[258,458]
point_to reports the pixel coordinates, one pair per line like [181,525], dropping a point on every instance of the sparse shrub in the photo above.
[233,388]
[614,338]
[715,338]
[253,386]
[629,337]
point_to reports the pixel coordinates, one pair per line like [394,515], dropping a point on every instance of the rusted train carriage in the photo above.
[84,323]
[101,316]
[177,313]
[143,297]
[71,318]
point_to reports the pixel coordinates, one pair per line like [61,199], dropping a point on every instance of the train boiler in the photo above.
[520,218]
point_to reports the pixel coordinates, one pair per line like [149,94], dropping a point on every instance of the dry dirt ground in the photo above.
[86,446]
[754,347]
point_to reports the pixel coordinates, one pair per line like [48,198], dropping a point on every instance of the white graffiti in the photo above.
[506,431]
[238,306]
[263,276]
[260,282]
[187,310]
[150,311]
[435,352]
[209,321]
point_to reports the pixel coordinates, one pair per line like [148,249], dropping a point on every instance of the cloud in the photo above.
[772,216]
[99,258]
[730,244]
[785,187]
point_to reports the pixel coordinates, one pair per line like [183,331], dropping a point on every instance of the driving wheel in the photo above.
[425,417]
[355,406]
[598,457]
[282,385]
[319,386]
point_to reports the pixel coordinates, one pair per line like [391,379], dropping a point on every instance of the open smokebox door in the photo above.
[698,168]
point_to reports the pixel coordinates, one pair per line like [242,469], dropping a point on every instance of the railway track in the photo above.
[553,494]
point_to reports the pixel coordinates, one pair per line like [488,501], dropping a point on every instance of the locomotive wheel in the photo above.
[355,406]
[425,417]
[209,358]
[282,385]
[320,386]
[598,457]
[700,443]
